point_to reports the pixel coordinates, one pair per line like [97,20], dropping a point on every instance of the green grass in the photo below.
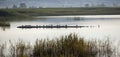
[66,46]
[17,14]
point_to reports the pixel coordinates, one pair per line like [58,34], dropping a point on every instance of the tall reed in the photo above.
[66,46]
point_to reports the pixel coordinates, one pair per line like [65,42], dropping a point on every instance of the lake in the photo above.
[104,26]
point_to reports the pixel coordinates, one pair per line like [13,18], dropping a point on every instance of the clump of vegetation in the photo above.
[20,49]
[4,24]
[65,46]
[68,46]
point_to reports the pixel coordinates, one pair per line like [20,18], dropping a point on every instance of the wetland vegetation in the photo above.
[66,46]
[4,24]
[28,13]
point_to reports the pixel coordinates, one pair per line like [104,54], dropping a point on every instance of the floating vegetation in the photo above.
[51,26]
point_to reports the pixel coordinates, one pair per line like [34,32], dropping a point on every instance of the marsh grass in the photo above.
[66,46]
[2,49]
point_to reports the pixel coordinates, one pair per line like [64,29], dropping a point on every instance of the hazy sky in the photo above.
[55,3]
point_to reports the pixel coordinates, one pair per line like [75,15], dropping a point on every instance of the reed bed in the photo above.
[66,46]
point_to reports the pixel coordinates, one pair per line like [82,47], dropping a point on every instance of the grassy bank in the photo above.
[65,46]
[12,14]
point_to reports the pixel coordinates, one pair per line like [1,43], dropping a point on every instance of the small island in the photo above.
[4,24]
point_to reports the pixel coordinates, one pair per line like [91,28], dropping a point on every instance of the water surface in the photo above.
[109,27]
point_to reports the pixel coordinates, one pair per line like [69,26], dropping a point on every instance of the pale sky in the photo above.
[56,3]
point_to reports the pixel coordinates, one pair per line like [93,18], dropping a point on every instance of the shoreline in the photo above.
[18,14]
[81,16]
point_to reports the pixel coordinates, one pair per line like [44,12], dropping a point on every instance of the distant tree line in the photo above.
[22,5]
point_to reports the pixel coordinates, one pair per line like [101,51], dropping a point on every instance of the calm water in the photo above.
[109,27]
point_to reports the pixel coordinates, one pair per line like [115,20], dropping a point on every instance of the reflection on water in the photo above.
[78,18]
[104,27]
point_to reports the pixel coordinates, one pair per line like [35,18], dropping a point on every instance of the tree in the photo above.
[103,5]
[87,5]
[14,6]
[23,5]
[114,5]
